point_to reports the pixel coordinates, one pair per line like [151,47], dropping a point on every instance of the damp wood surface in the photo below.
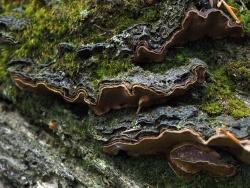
[83,80]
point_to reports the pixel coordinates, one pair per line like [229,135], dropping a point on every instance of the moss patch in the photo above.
[239,72]
[243,13]
[78,22]
[219,97]
[179,56]
[109,68]
[67,64]
[245,18]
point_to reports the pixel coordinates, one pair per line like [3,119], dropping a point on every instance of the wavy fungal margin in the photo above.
[186,150]
[124,93]
[212,23]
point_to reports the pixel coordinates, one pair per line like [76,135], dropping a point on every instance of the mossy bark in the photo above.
[70,155]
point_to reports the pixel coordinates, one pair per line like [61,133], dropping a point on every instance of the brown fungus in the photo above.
[212,23]
[183,134]
[186,150]
[136,89]
[190,159]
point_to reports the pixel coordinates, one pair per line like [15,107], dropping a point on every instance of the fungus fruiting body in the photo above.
[212,23]
[187,151]
[119,93]
[190,159]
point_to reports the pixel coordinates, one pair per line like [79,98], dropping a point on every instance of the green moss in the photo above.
[214,108]
[148,16]
[180,56]
[104,67]
[110,68]
[41,109]
[237,108]
[9,91]
[155,172]
[47,28]
[245,19]
[243,14]
[130,13]
[68,21]
[3,72]
[68,64]
[219,96]
[239,72]
[7,5]
[5,53]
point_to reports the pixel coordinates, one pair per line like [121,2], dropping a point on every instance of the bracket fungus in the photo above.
[189,158]
[150,42]
[103,74]
[183,157]
[184,135]
[169,138]
[212,23]
[137,88]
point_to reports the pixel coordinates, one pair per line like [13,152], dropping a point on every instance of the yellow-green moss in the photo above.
[3,72]
[47,27]
[219,97]
[67,22]
[239,72]
[214,108]
[243,14]
[109,68]
[4,55]
[237,108]
[177,57]
[113,67]
[245,18]
[68,64]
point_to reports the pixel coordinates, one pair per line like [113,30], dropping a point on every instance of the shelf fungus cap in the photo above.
[211,23]
[135,88]
[190,159]
[167,139]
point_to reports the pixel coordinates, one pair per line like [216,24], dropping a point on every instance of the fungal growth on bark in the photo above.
[162,143]
[196,25]
[189,159]
[183,134]
[96,54]
[137,88]
[150,42]
[147,45]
